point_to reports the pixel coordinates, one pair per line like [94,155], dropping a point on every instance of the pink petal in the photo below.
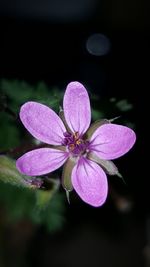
[77,107]
[111,141]
[41,161]
[90,182]
[42,122]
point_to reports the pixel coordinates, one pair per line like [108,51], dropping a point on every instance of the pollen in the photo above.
[76,145]
[76,135]
[71,147]
[77,140]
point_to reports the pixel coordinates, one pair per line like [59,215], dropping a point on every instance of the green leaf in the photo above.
[9,174]
[108,166]
[66,174]
[94,126]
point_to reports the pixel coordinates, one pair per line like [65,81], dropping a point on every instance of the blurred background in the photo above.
[45,44]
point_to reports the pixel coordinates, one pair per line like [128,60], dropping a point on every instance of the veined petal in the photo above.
[90,182]
[111,141]
[42,122]
[41,161]
[77,109]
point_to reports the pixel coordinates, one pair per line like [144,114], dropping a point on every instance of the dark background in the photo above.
[46,40]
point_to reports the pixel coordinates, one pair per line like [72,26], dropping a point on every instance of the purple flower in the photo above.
[85,151]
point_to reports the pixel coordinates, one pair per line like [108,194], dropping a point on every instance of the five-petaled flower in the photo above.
[85,151]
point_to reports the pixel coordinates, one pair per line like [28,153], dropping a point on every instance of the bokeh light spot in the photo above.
[98,44]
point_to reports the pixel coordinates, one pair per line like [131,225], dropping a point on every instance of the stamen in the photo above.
[76,145]
[76,135]
[71,147]
[78,142]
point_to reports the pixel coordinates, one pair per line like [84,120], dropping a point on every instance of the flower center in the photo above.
[75,144]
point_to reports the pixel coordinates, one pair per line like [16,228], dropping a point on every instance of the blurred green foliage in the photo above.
[20,199]
[19,92]
[23,200]
[9,134]
[18,196]
[21,203]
